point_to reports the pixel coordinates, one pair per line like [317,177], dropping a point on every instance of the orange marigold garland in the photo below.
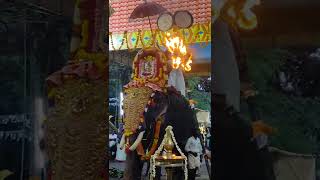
[259,127]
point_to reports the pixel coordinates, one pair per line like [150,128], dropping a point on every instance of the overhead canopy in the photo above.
[119,23]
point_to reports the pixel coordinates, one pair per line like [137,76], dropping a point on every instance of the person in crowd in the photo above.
[208,145]
[113,144]
[194,149]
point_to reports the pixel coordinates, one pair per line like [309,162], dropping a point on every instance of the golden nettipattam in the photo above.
[76,126]
[76,130]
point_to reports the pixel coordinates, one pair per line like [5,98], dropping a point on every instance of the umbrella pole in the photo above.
[151,29]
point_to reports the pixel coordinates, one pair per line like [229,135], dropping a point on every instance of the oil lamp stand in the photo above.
[167,158]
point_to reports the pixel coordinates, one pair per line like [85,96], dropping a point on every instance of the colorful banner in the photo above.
[198,33]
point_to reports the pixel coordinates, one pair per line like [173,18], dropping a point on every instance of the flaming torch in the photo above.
[178,50]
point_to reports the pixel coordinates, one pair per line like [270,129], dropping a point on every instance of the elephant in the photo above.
[166,108]
[234,148]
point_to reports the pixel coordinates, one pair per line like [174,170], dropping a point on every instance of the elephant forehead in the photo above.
[133,105]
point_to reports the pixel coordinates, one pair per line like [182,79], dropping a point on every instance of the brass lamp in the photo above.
[168,146]
[167,158]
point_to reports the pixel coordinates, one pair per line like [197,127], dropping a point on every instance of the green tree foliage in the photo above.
[203,98]
[296,118]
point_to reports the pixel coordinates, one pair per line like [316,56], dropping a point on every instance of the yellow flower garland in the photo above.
[99,59]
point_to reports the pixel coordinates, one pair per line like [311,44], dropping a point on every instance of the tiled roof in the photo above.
[119,21]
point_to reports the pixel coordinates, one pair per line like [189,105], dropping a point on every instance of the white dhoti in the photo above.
[194,162]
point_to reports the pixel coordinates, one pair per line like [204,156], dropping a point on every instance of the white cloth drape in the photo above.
[225,71]
[176,80]
[293,166]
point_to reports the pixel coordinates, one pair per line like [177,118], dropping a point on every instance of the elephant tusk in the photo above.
[122,141]
[137,141]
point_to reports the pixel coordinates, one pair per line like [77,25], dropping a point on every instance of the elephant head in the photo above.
[159,110]
[171,109]
[134,103]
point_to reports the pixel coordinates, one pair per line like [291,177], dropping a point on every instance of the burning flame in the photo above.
[178,50]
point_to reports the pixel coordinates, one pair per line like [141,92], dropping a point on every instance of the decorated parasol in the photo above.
[147,9]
